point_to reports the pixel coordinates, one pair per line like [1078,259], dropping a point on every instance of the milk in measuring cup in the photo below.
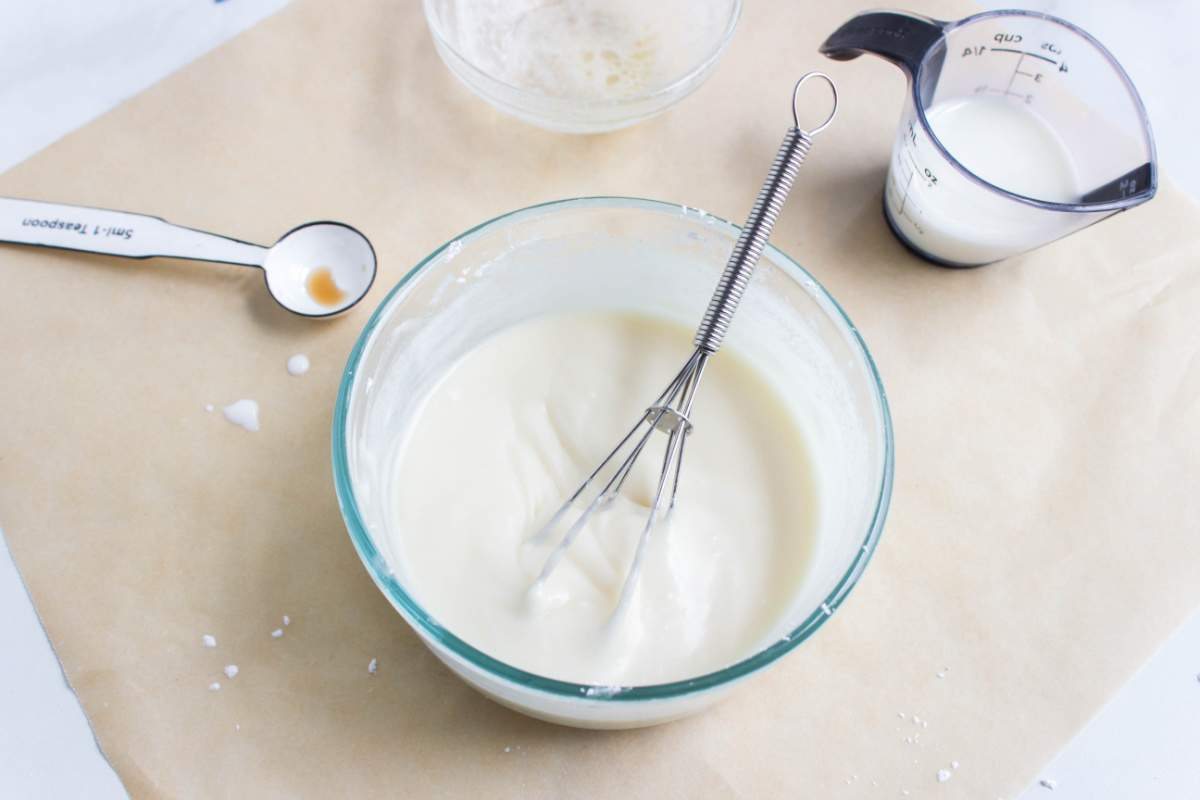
[1018,129]
[1003,142]
[1008,145]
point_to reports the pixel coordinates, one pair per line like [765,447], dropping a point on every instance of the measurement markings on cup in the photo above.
[1036,77]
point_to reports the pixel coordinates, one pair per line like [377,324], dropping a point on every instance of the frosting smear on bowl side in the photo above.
[514,426]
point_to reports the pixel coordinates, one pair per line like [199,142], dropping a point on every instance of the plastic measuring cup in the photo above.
[1019,128]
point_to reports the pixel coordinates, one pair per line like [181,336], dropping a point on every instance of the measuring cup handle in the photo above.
[899,37]
[116,233]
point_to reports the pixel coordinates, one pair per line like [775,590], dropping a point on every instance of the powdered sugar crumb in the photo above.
[209,640]
[214,687]
[231,671]
[373,666]
[278,632]
[297,364]
[243,413]
[286,620]
[944,775]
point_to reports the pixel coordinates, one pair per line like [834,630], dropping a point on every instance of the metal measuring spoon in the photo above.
[316,270]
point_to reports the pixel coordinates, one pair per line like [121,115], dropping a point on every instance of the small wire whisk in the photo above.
[670,413]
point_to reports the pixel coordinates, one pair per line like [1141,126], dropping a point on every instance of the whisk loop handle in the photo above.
[757,230]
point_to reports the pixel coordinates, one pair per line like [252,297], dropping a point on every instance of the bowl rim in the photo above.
[426,625]
[667,89]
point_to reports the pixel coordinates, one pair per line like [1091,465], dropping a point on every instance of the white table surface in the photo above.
[64,63]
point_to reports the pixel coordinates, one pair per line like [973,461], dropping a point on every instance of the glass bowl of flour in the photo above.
[503,367]
[581,66]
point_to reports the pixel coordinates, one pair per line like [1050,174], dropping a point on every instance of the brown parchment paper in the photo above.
[1043,534]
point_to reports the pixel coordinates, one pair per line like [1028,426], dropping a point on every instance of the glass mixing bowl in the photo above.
[581,66]
[632,255]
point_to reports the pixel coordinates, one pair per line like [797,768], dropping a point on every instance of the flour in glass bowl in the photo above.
[588,49]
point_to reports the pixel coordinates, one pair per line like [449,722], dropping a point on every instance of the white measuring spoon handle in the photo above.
[116,233]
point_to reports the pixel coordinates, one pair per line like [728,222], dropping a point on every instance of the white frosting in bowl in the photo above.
[512,429]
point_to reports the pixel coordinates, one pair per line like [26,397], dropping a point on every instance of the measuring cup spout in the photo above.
[901,38]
